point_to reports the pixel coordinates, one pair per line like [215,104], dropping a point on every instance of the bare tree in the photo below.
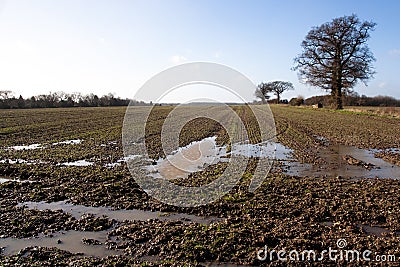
[262,92]
[278,87]
[336,55]
[5,94]
[275,87]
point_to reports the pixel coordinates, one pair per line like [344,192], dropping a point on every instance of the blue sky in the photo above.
[98,47]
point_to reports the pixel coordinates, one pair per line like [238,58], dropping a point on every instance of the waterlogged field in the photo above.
[67,197]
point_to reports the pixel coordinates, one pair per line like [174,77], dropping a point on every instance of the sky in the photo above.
[94,46]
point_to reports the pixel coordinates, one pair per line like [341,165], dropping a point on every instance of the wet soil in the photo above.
[312,183]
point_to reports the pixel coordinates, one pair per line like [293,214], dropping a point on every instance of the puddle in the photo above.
[366,229]
[5,180]
[72,240]
[323,140]
[393,150]
[373,230]
[14,161]
[39,146]
[120,161]
[282,152]
[69,142]
[188,159]
[69,241]
[78,163]
[253,150]
[337,166]
[111,143]
[28,147]
[269,150]
[22,161]
[151,258]
[200,154]
[77,211]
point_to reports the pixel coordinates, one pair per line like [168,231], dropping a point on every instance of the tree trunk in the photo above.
[337,86]
[339,103]
[279,98]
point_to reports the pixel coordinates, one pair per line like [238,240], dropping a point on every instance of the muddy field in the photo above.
[67,197]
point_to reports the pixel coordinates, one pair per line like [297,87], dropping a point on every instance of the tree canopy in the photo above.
[336,56]
[275,87]
[262,92]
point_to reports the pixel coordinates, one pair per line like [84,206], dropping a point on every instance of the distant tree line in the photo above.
[354,99]
[61,99]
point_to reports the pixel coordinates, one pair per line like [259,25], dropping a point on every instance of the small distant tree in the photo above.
[335,56]
[278,87]
[21,102]
[275,87]
[262,91]
[5,94]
